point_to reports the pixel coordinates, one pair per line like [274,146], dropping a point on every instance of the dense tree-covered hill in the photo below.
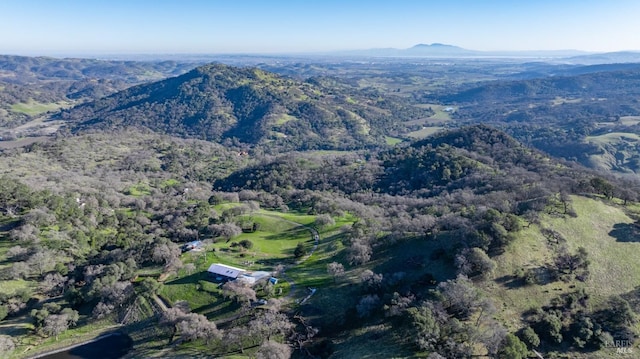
[475,158]
[217,102]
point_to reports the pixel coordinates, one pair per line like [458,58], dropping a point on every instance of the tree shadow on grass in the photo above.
[192,279]
[293,233]
[532,276]
[625,232]
[219,312]
[510,281]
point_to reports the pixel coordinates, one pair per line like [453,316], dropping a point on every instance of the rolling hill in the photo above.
[569,116]
[217,102]
[31,86]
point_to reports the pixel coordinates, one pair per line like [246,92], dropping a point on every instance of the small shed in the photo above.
[191,246]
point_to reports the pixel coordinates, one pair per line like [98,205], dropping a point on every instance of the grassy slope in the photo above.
[614,267]
[35,108]
[613,138]
[204,297]
[424,132]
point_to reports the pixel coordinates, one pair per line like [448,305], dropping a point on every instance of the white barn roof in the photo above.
[225,270]
[252,277]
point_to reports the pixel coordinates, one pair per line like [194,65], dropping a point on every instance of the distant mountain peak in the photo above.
[434,45]
[437,49]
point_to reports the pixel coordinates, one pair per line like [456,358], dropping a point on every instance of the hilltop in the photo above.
[219,102]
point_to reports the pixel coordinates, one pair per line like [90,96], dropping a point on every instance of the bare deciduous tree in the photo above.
[359,252]
[20,270]
[194,326]
[18,253]
[53,284]
[189,268]
[269,323]
[117,293]
[235,337]
[273,350]
[335,270]
[239,292]
[43,261]
[474,262]
[324,220]
[225,230]
[6,344]
[25,233]
[166,253]
[102,309]
[460,297]
[371,280]
[55,324]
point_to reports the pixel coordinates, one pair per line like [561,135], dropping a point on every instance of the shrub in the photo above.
[245,243]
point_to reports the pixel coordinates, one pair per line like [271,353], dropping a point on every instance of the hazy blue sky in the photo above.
[257,26]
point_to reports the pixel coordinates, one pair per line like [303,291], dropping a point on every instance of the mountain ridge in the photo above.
[220,102]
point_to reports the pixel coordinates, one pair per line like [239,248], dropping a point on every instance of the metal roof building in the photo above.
[225,270]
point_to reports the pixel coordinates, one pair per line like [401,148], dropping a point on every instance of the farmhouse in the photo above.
[228,273]
[225,272]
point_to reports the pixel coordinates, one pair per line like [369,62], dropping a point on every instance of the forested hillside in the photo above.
[219,102]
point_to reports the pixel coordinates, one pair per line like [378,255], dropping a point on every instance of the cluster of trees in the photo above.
[443,325]
[265,329]
[568,319]
[83,232]
[52,319]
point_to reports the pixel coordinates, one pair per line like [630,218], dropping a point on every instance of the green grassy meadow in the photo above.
[392,141]
[424,132]
[33,108]
[273,243]
[440,113]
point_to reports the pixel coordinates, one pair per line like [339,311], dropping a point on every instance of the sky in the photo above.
[49,27]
